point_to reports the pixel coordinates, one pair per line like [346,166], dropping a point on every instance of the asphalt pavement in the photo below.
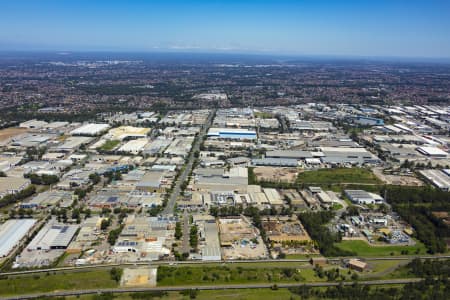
[170,207]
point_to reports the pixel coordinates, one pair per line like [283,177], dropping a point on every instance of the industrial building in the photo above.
[232,133]
[12,185]
[152,181]
[289,154]
[73,143]
[47,199]
[438,178]
[134,146]
[432,152]
[275,162]
[356,264]
[368,121]
[348,155]
[90,129]
[127,133]
[212,179]
[53,236]
[11,232]
[363,197]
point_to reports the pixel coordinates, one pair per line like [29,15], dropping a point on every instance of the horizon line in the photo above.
[194,51]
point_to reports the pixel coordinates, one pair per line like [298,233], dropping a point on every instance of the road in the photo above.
[170,207]
[221,262]
[186,248]
[211,287]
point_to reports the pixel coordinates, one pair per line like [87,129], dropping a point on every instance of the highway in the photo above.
[170,207]
[210,287]
[221,262]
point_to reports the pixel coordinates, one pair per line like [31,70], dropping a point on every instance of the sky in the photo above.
[398,28]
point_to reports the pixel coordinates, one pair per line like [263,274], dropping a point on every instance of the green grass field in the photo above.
[249,294]
[241,294]
[58,282]
[338,176]
[169,276]
[109,145]
[363,249]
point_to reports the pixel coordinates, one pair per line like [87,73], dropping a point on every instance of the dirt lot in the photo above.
[240,240]
[7,133]
[276,174]
[139,277]
[397,179]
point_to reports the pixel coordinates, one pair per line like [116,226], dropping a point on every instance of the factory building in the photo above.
[11,232]
[90,129]
[53,236]
[432,152]
[363,197]
[438,178]
[12,185]
[232,133]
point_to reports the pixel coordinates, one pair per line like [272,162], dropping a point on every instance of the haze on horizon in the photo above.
[398,28]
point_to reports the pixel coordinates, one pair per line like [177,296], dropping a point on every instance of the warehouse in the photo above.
[90,129]
[232,133]
[348,155]
[363,197]
[134,146]
[31,140]
[356,264]
[273,196]
[73,143]
[289,154]
[432,152]
[275,162]
[437,178]
[152,181]
[10,185]
[11,232]
[47,199]
[368,121]
[127,133]
[210,179]
[53,236]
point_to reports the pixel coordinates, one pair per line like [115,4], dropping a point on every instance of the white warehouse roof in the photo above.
[11,232]
[90,129]
[432,151]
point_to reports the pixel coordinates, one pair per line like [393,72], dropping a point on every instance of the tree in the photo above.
[116,274]
[193,237]
[178,231]
[105,224]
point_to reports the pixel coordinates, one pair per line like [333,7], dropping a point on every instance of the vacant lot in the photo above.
[338,176]
[275,174]
[58,282]
[363,249]
[7,133]
[169,276]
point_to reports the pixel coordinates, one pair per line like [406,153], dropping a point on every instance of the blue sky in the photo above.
[404,28]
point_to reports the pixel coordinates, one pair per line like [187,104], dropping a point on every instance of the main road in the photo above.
[209,263]
[170,207]
[211,287]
